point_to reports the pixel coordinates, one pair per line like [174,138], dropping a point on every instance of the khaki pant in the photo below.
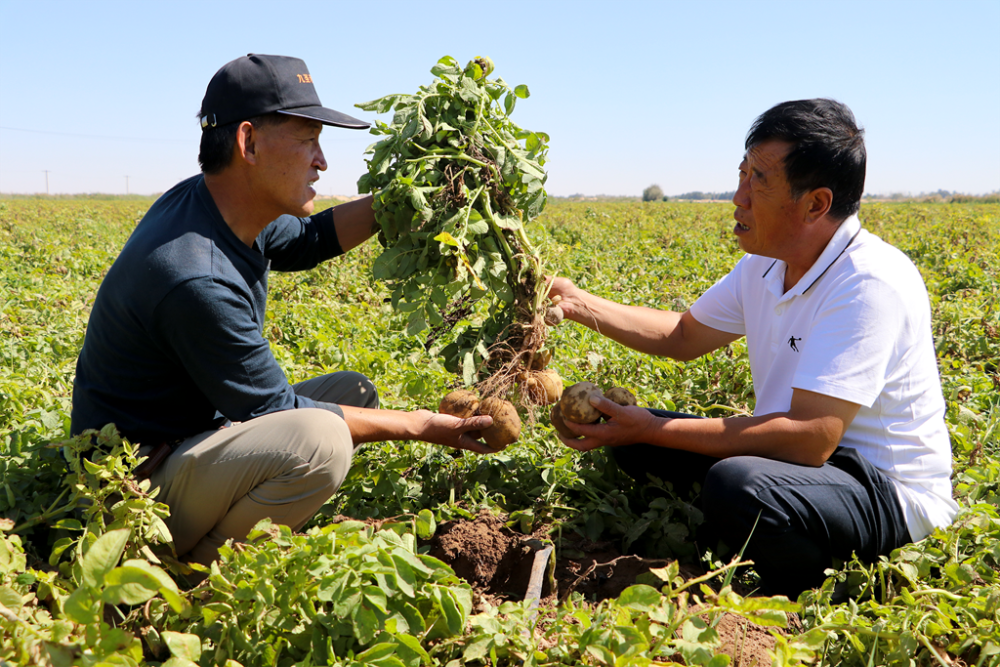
[283,466]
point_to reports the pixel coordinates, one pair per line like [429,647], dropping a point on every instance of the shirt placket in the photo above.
[775,286]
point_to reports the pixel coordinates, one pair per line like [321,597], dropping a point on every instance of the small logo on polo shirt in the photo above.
[791,343]
[304,78]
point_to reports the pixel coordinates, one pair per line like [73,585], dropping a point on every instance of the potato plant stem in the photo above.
[497,230]
[47,514]
[710,575]
[938,591]
[11,617]
[454,156]
[934,653]
[844,627]
[541,292]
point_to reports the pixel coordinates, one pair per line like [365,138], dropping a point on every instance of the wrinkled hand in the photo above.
[627,425]
[453,432]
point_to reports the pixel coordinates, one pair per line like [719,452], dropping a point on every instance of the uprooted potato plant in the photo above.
[455,182]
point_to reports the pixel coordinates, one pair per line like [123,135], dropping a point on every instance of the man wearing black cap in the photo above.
[174,354]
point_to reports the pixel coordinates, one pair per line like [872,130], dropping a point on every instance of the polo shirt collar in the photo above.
[775,274]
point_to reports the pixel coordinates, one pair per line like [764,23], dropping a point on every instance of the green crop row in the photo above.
[86,575]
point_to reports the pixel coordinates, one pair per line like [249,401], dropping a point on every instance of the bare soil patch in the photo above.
[497,563]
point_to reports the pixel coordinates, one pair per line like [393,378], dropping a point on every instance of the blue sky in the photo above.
[103,95]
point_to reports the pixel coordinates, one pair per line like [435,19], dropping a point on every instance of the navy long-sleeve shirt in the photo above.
[175,344]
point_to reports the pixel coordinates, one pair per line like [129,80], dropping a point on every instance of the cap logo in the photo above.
[304,78]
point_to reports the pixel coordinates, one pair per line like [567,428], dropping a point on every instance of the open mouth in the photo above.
[741,227]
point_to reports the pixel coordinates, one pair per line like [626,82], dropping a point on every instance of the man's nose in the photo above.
[740,197]
[320,161]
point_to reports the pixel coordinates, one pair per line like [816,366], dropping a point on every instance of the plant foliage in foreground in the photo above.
[86,573]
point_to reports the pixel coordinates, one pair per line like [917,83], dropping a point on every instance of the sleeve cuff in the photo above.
[844,392]
[326,223]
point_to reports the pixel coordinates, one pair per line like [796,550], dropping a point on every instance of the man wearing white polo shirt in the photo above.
[847,451]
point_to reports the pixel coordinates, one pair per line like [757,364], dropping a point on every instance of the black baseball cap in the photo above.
[257,84]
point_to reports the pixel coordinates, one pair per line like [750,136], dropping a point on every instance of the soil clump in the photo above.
[495,560]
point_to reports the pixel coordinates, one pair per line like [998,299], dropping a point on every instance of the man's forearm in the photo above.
[368,425]
[663,333]
[774,436]
[355,222]
[660,332]
[644,329]
[371,425]
[807,433]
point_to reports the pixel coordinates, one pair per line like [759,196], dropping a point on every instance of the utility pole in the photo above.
[46,181]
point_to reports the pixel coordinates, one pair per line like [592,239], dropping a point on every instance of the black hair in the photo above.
[216,150]
[828,149]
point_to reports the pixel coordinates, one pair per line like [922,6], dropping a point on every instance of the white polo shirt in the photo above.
[857,327]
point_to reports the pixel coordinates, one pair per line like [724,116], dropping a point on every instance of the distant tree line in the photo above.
[92,196]
[698,194]
[655,193]
[938,196]
[993,198]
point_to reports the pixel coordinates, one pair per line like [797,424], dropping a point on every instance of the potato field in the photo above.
[536,555]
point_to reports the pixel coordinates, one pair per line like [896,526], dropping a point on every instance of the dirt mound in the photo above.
[495,560]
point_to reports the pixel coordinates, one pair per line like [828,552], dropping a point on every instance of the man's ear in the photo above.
[819,202]
[246,143]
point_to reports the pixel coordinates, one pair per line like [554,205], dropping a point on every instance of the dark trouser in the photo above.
[808,515]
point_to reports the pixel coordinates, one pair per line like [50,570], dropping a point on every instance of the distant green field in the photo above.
[935,602]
